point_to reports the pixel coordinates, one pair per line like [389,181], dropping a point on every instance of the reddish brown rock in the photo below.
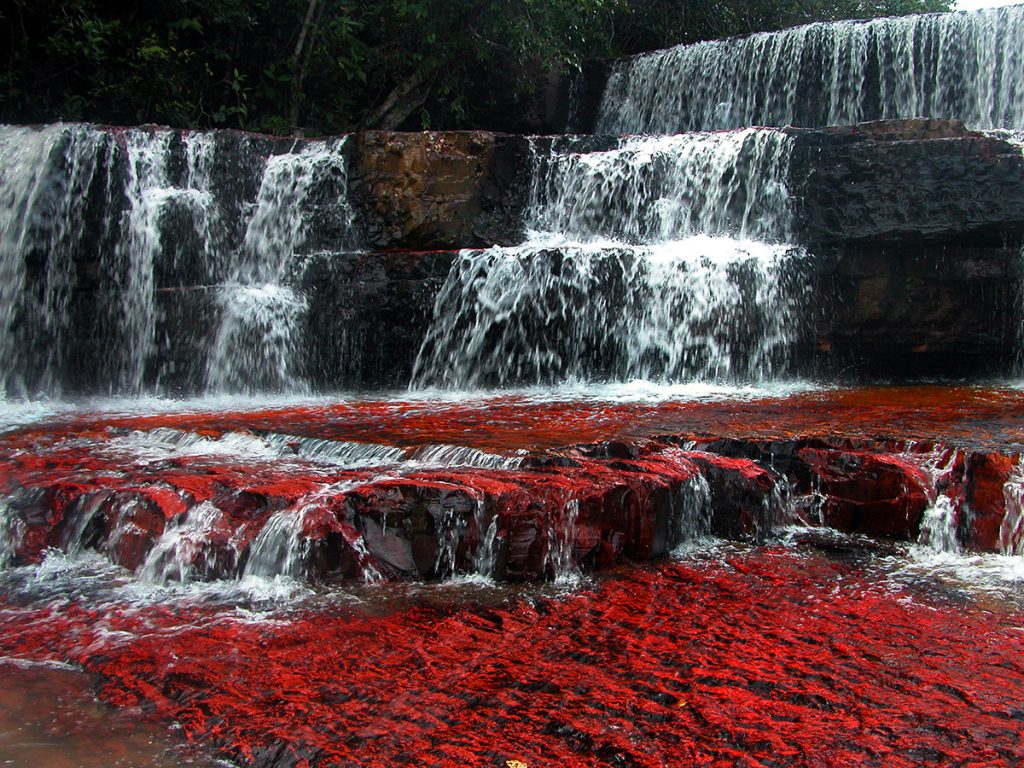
[875,494]
[987,474]
[438,189]
[132,523]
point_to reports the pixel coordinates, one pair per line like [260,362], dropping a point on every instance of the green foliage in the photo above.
[333,65]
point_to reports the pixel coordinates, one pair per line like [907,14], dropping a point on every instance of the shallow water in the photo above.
[50,718]
[814,648]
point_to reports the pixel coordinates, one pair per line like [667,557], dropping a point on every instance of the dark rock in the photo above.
[909,310]
[581,94]
[439,190]
[904,181]
[743,496]
[368,314]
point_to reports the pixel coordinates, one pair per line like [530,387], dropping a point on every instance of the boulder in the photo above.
[987,476]
[874,494]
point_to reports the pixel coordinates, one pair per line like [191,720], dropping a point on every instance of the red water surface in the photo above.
[771,657]
[970,416]
[764,657]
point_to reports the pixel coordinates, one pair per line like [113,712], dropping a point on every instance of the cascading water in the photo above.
[256,345]
[941,519]
[99,228]
[967,66]
[1011,531]
[148,190]
[663,258]
[44,175]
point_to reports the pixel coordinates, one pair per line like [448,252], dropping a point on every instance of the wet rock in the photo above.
[905,180]
[742,495]
[918,309]
[368,314]
[987,475]
[132,524]
[438,190]
[406,523]
[874,494]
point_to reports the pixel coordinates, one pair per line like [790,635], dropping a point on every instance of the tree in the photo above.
[329,66]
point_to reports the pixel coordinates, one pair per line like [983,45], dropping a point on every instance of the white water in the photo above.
[1011,532]
[260,333]
[181,549]
[657,189]
[159,218]
[485,557]
[968,66]
[40,216]
[661,259]
[710,309]
[559,561]
[941,520]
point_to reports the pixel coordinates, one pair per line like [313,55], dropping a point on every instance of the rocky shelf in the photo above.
[513,489]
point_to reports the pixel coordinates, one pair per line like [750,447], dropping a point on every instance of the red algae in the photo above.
[768,658]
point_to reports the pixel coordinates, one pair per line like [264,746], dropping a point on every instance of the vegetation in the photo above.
[327,66]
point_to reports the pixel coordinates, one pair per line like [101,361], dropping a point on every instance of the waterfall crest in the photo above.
[967,66]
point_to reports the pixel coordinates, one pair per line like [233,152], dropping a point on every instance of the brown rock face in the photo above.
[987,474]
[436,190]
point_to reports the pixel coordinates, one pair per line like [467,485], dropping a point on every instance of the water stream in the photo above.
[966,66]
[662,259]
[299,579]
[168,215]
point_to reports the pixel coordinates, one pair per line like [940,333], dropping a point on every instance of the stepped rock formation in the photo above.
[373,489]
[431,382]
[913,231]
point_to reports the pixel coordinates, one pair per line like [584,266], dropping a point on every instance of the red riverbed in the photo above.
[765,658]
[970,416]
[754,657]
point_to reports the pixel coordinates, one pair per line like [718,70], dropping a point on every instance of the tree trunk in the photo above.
[404,99]
[300,62]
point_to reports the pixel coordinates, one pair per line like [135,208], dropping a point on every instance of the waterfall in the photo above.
[941,519]
[258,339]
[665,188]
[663,258]
[967,66]
[1011,530]
[100,228]
[44,175]
[148,191]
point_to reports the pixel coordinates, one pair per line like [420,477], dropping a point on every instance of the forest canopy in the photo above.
[331,66]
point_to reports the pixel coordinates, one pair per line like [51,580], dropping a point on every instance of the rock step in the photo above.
[326,509]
